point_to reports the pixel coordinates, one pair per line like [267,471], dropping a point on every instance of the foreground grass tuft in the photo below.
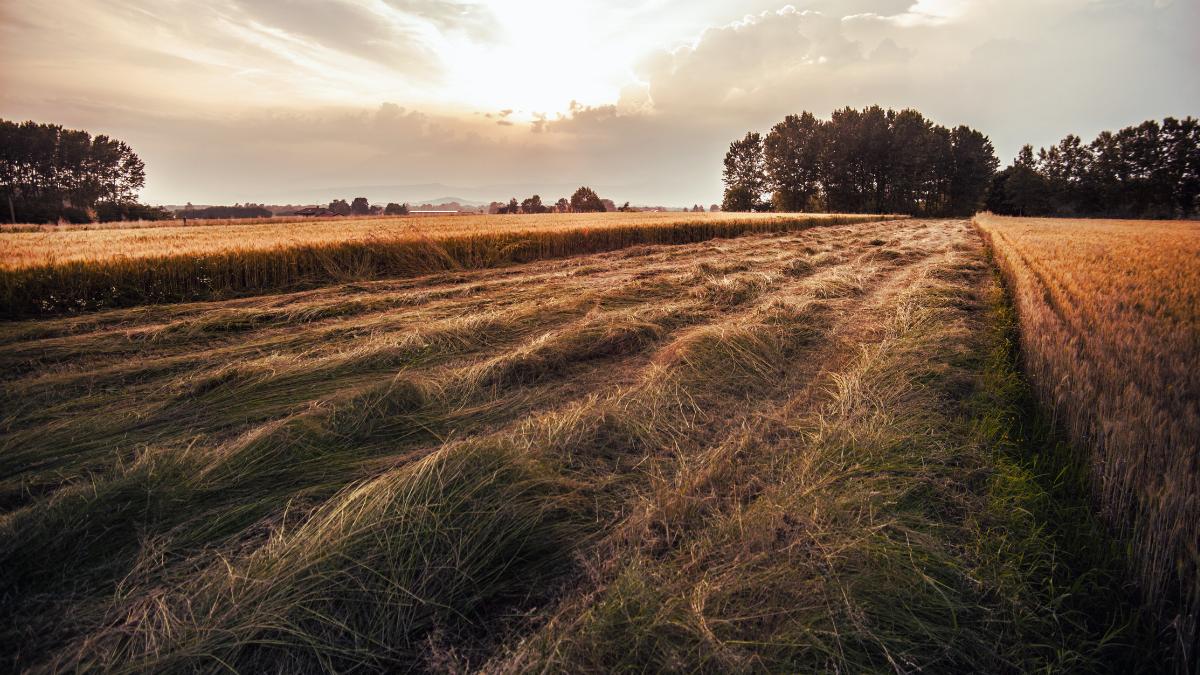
[362,582]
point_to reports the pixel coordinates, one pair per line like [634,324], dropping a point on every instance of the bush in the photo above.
[75,215]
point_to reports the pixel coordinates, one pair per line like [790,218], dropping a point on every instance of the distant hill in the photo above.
[451,200]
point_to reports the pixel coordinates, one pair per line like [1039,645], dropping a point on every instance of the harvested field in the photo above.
[1110,333]
[789,451]
[72,270]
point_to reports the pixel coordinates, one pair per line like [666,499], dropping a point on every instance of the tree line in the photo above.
[864,161]
[886,161]
[869,161]
[360,206]
[1151,170]
[49,173]
[236,211]
[584,200]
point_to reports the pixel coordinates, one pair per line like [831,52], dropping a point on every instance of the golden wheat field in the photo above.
[71,270]
[60,245]
[786,451]
[1110,334]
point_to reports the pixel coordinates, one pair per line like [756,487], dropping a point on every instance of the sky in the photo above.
[301,101]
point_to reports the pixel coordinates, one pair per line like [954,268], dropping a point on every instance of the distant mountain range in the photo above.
[413,194]
[449,200]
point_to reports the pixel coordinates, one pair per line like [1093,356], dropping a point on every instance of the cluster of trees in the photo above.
[49,173]
[1150,170]
[360,206]
[585,200]
[866,161]
[531,205]
[236,211]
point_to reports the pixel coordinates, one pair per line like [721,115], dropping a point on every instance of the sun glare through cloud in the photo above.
[661,79]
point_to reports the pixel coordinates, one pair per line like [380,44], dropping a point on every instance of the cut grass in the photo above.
[626,465]
[887,532]
[441,543]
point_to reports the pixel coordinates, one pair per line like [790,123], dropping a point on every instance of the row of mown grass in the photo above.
[824,469]
[915,523]
[76,286]
[132,476]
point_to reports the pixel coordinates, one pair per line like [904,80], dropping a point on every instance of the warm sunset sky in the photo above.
[304,100]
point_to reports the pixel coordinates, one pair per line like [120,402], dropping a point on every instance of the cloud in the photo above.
[471,18]
[342,27]
[730,64]
[244,100]
[973,63]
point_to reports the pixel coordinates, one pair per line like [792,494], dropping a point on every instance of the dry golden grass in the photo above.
[60,245]
[190,222]
[69,270]
[1110,333]
[769,453]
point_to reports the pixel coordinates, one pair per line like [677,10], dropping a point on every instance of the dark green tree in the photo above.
[870,160]
[975,164]
[585,200]
[745,181]
[842,168]
[360,206]
[533,205]
[236,211]
[48,172]
[1149,170]
[792,162]
[911,171]
[1181,164]
[1020,190]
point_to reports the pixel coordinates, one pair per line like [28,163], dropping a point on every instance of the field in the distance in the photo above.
[787,451]
[72,270]
[70,244]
